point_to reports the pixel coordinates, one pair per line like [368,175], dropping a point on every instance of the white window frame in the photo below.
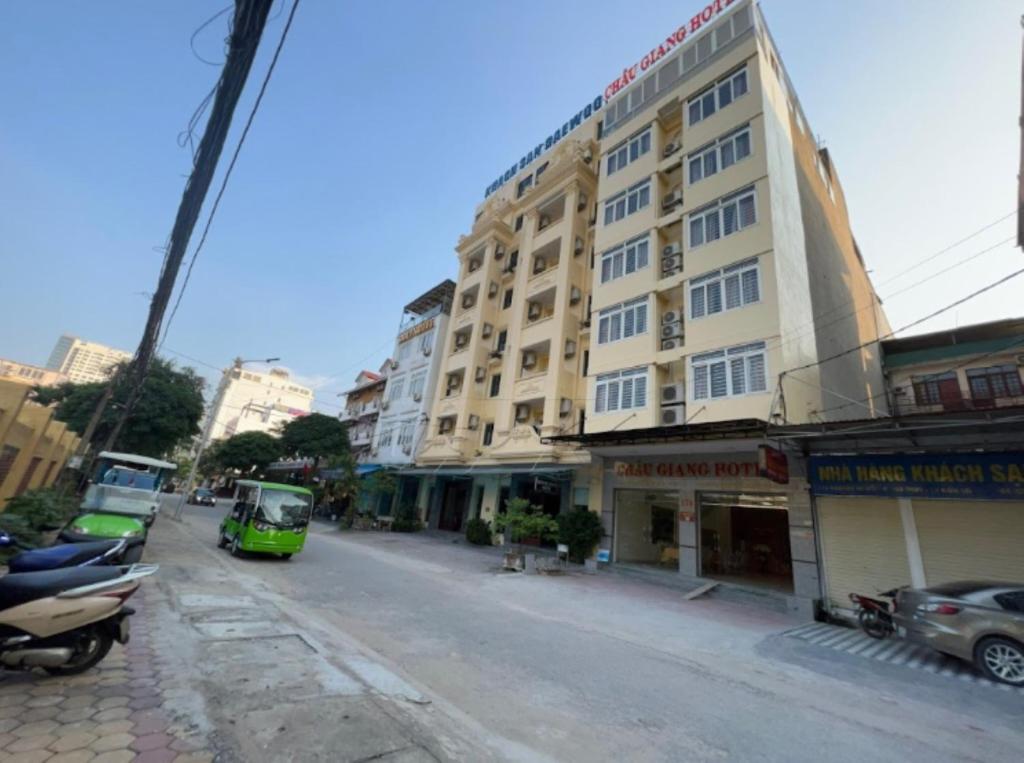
[710,100]
[396,387]
[716,289]
[417,382]
[615,263]
[628,202]
[716,213]
[628,151]
[406,432]
[710,160]
[720,367]
[426,339]
[613,321]
[617,391]
[384,438]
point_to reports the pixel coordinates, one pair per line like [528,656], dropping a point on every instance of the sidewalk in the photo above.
[128,708]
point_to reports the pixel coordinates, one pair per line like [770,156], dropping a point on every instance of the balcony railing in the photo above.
[907,405]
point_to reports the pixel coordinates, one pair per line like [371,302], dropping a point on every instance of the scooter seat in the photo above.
[22,587]
[64,555]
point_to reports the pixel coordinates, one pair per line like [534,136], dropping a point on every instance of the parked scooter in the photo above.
[875,615]
[65,620]
[103,552]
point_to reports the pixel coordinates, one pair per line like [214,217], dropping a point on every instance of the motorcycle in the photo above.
[65,620]
[875,615]
[104,552]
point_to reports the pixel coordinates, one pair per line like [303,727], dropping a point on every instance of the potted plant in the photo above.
[581,530]
[523,521]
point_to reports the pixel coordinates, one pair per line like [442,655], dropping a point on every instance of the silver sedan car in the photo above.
[981,622]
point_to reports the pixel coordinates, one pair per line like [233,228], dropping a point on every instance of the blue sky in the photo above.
[385,121]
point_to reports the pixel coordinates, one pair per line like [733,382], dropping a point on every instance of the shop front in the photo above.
[712,517]
[923,519]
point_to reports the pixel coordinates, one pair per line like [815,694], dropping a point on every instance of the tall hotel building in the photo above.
[686,276]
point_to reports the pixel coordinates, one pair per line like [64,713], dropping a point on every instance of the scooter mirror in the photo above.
[6,541]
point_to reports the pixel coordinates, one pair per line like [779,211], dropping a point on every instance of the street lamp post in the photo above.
[204,438]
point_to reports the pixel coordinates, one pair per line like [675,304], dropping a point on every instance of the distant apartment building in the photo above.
[82,361]
[362,409]
[24,373]
[257,401]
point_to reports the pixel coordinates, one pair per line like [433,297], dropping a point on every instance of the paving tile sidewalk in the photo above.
[120,711]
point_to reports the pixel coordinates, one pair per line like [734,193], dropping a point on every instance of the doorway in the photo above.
[453,504]
[646,528]
[744,539]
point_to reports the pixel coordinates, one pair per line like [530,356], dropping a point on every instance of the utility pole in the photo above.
[247,28]
[204,438]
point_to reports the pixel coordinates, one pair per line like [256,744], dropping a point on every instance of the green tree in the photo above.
[525,521]
[581,530]
[166,415]
[248,452]
[315,436]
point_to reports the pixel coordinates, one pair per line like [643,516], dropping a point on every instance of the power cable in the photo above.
[231,167]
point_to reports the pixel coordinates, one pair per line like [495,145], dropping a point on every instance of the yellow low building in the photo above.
[34,446]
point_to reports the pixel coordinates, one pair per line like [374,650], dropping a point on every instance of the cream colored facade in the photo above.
[84,362]
[253,401]
[33,445]
[24,373]
[751,267]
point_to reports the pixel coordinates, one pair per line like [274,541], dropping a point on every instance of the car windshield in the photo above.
[281,507]
[130,478]
[204,491]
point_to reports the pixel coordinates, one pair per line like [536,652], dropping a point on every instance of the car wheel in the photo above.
[236,547]
[286,557]
[222,541]
[1001,659]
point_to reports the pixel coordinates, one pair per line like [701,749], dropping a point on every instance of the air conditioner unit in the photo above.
[533,311]
[673,394]
[461,340]
[499,252]
[446,426]
[671,316]
[575,295]
[671,148]
[468,300]
[673,197]
[522,412]
[486,330]
[671,264]
[540,264]
[588,156]
[481,373]
[474,421]
[581,203]
[474,265]
[578,246]
[669,249]
[426,350]
[529,359]
[671,330]
[385,404]
[565,407]
[407,449]
[417,396]
[673,415]
[672,344]
[394,365]
[570,348]
[544,222]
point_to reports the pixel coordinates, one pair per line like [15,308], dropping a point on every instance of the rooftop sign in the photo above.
[628,76]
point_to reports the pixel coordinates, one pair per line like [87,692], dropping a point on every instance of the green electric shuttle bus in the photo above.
[267,517]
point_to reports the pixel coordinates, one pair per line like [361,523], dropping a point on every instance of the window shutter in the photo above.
[640,391]
[729,217]
[602,331]
[609,209]
[700,382]
[645,196]
[732,291]
[714,297]
[747,216]
[613,396]
[736,371]
[711,226]
[696,231]
[606,269]
[641,319]
[627,394]
[628,323]
[724,94]
[611,163]
[601,398]
[710,163]
[631,260]
[751,288]
[641,255]
[694,116]
[719,384]
[742,145]
[615,333]
[755,373]
[728,157]
[739,84]
[617,265]
[697,302]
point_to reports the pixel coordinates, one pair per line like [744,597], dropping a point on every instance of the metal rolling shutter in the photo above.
[971,540]
[863,549]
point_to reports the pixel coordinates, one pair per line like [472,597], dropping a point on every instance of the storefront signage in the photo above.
[419,328]
[686,469]
[993,476]
[573,122]
[772,464]
[629,75]
[675,39]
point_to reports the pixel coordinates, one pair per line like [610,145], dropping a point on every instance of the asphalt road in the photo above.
[602,668]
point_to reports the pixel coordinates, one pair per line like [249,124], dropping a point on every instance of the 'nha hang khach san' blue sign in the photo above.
[992,476]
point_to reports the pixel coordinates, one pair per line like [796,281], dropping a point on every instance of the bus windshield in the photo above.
[284,508]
